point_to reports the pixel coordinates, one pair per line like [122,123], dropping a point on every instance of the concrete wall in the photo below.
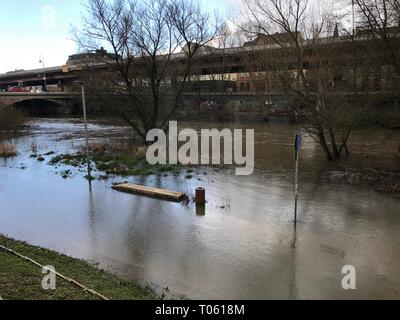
[40,106]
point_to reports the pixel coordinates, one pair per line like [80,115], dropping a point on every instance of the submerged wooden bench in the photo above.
[150,192]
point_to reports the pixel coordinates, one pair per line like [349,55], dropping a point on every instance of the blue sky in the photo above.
[31,28]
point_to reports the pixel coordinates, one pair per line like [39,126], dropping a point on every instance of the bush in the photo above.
[7,150]
[11,122]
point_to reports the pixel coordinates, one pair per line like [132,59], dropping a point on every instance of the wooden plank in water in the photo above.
[150,192]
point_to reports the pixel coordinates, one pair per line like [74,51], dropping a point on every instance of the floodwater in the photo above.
[243,246]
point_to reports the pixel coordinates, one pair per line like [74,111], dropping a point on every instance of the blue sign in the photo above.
[297,143]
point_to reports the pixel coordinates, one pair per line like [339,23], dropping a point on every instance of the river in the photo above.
[243,246]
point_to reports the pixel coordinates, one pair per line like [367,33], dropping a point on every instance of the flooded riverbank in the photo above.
[242,246]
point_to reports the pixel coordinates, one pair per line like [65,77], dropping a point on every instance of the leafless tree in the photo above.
[153,46]
[300,51]
[220,80]
[379,20]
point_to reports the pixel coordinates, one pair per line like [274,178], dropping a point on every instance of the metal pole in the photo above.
[297,144]
[44,78]
[86,132]
[44,73]
[354,19]
[296,186]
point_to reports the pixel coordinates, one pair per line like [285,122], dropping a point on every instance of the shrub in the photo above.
[11,122]
[7,150]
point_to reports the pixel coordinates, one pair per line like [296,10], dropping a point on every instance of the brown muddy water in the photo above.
[242,246]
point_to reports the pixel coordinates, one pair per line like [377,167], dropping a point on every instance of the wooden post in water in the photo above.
[200,196]
[86,130]
[200,201]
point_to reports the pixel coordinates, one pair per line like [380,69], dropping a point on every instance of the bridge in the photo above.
[238,63]
[43,102]
[67,100]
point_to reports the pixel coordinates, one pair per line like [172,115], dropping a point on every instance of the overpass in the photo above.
[238,62]
[210,61]
[66,99]
[44,102]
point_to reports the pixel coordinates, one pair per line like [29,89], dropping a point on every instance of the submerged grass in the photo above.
[21,280]
[118,164]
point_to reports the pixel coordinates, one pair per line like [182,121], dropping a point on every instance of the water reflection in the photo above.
[242,245]
[200,209]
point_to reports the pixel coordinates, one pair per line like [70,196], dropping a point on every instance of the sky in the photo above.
[30,29]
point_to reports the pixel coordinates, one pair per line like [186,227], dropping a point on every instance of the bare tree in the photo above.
[153,46]
[298,47]
[220,81]
[380,19]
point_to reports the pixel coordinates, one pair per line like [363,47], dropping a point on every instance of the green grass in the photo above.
[21,280]
[116,164]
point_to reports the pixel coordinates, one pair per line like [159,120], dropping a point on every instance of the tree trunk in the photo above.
[324,145]
[334,147]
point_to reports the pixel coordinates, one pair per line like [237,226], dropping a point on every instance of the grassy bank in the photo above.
[21,280]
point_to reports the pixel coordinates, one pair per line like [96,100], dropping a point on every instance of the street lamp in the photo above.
[86,129]
[41,60]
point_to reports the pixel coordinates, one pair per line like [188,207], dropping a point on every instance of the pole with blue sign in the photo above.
[297,146]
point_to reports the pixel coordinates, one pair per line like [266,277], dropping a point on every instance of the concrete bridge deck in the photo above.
[39,94]
[10,98]
[41,102]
